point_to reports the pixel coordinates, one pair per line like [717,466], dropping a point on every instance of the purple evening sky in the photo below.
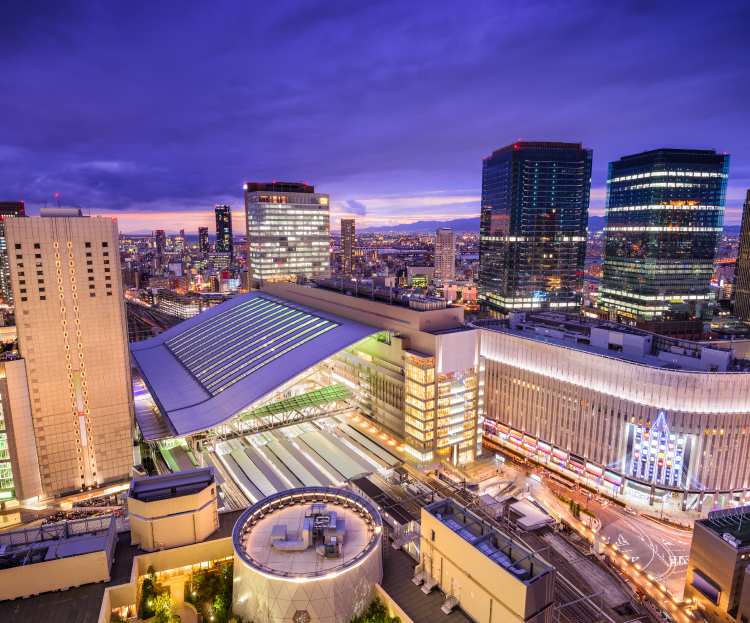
[156,111]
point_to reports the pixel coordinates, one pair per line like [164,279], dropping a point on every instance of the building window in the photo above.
[19,265]
[23,290]
[40,272]
[88,245]
[22,282]
[90,270]
[23,298]
[91,287]
[92,293]
[41,289]
[42,298]
[38,256]
[18,246]
[36,245]
[105,253]
[109,294]
[104,244]
[20,273]
[109,285]
[89,262]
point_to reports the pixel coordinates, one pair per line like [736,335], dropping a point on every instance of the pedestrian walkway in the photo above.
[398,571]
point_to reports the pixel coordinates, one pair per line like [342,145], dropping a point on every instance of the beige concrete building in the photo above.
[173,510]
[56,556]
[65,273]
[488,574]
[419,376]
[716,580]
[445,255]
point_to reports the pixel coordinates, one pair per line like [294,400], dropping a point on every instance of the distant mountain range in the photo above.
[596,223]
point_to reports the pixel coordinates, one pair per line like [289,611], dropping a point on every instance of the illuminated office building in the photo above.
[347,245]
[224,241]
[664,217]
[535,203]
[741,290]
[445,255]
[203,240]
[8,209]
[72,337]
[288,229]
[161,241]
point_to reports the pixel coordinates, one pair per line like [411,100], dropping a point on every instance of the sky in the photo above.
[154,112]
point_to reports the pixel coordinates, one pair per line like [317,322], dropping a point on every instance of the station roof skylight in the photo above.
[210,367]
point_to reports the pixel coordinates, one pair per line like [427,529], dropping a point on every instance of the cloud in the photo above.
[351,206]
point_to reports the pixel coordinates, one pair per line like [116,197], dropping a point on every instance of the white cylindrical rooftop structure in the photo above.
[313,550]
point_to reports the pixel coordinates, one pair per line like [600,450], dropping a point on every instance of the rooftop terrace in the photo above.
[54,541]
[171,485]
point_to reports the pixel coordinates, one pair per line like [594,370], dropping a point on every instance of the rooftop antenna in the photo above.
[58,199]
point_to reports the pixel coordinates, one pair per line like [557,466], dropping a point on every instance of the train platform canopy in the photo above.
[209,368]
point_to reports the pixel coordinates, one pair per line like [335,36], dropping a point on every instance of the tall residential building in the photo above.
[664,217]
[445,255]
[203,239]
[8,209]
[741,289]
[347,245]
[532,248]
[160,241]
[72,335]
[288,231]
[179,242]
[224,242]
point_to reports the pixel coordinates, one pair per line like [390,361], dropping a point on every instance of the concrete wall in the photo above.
[192,519]
[484,585]
[718,561]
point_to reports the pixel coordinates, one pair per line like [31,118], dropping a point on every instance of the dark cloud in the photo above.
[167,106]
[350,206]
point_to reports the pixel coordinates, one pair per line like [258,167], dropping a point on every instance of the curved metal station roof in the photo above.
[210,367]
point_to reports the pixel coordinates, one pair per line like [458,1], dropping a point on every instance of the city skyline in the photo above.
[373,145]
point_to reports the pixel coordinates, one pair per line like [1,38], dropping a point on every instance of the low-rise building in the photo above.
[716,581]
[56,556]
[173,510]
[490,575]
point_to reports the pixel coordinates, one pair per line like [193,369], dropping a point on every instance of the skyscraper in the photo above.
[288,231]
[203,239]
[161,241]
[8,209]
[532,249]
[224,242]
[445,255]
[741,290]
[347,245]
[664,217]
[72,335]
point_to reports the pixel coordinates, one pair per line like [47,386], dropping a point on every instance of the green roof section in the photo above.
[315,398]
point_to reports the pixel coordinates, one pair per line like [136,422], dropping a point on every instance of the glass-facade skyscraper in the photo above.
[532,249]
[203,240]
[160,241]
[224,241]
[664,218]
[347,245]
[8,209]
[288,232]
[741,289]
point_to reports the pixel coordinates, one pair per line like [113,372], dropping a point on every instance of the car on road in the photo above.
[631,510]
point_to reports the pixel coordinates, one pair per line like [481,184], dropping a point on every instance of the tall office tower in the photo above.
[203,239]
[288,232]
[664,216]
[72,335]
[347,245]
[532,248]
[445,255]
[741,289]
[179,242]
[161,241]
[8,209]
[224,242]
